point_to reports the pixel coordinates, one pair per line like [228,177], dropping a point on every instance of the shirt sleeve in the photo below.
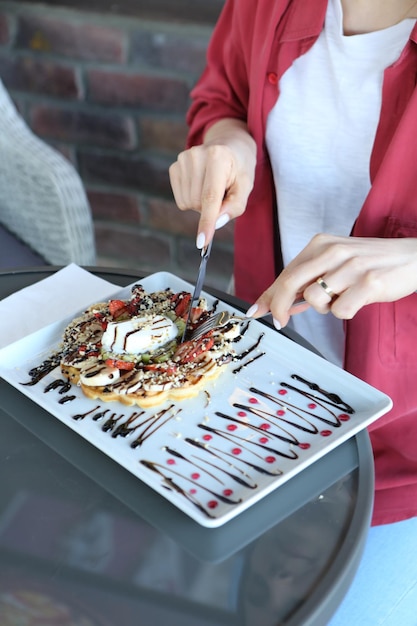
[223,90]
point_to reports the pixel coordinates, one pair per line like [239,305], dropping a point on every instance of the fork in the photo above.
[217,321]
[223,317]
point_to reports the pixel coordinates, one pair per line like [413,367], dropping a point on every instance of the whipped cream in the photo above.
[138,334]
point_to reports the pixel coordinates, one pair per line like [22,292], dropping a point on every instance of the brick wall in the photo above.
[111,93]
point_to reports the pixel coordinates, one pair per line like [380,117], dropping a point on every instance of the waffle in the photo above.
[173,371]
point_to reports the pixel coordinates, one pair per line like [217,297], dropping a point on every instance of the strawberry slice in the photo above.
[190,350]
[120,364]
[182,303]
[161,368]
[117,308]
[196,313]
[101,319]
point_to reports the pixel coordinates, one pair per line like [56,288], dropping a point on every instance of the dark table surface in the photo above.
[87,544]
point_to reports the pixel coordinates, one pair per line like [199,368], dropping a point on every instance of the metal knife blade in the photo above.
[205,254]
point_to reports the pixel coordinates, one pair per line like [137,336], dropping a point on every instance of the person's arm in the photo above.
[216,177]
[359,270]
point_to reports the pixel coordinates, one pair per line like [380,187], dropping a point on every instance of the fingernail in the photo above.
[277,324]
[221,221]
[201,240]
[251,312]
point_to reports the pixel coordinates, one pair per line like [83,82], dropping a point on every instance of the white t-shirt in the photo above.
[320,136]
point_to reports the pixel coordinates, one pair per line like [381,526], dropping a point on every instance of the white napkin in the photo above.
[50,300]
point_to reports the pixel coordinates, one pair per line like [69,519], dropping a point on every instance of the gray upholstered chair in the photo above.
[42,199]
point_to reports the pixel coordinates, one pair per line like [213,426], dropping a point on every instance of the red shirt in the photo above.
[253,44]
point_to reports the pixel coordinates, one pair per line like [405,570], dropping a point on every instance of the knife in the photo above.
[205,253]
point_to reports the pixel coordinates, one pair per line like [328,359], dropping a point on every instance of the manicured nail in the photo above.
[201,240]
[221,221]
[277,324]
[251,312]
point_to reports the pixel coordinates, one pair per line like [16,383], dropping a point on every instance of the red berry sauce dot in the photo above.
[253,400]
[171,461]
[227,492]
[263,440]
[212,504]
[304,446]
[237,451]
[344,417]
[207,437]
[281,412]
[242,414]
[231,427]
[312,405]
[265,426]
[270,459]
[193,491]
[195,476]
[282,392]
[325,433]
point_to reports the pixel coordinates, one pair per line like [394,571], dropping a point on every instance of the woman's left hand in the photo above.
[358,270]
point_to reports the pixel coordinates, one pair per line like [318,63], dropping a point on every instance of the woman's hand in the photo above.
[216,177]
[358,270]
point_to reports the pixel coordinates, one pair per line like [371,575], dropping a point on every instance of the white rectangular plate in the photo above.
[265,419]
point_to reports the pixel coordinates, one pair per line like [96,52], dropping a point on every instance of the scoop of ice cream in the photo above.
[138,334]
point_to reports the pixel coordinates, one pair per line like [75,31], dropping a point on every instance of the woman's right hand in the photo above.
[216,177]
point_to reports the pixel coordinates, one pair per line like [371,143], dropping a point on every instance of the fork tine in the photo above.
[204,327]
[216,321]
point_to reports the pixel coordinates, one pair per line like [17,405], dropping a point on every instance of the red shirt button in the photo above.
[273,78]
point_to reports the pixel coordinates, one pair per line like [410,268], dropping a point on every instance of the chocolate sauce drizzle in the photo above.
[39,372]
[334,421]
[175,453]
[252,360]
[172,485]
[111,422]
[334,398]
[66,399]
[169,470]
[99,416]
[229,474]
[125,429]
[62,385]
[243,330]
[236,439]
[128,427]
[81,416]
[155,422]
[219,454]
[247,352]
[269,417]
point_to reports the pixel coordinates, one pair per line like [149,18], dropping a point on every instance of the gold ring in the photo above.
[326,288]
